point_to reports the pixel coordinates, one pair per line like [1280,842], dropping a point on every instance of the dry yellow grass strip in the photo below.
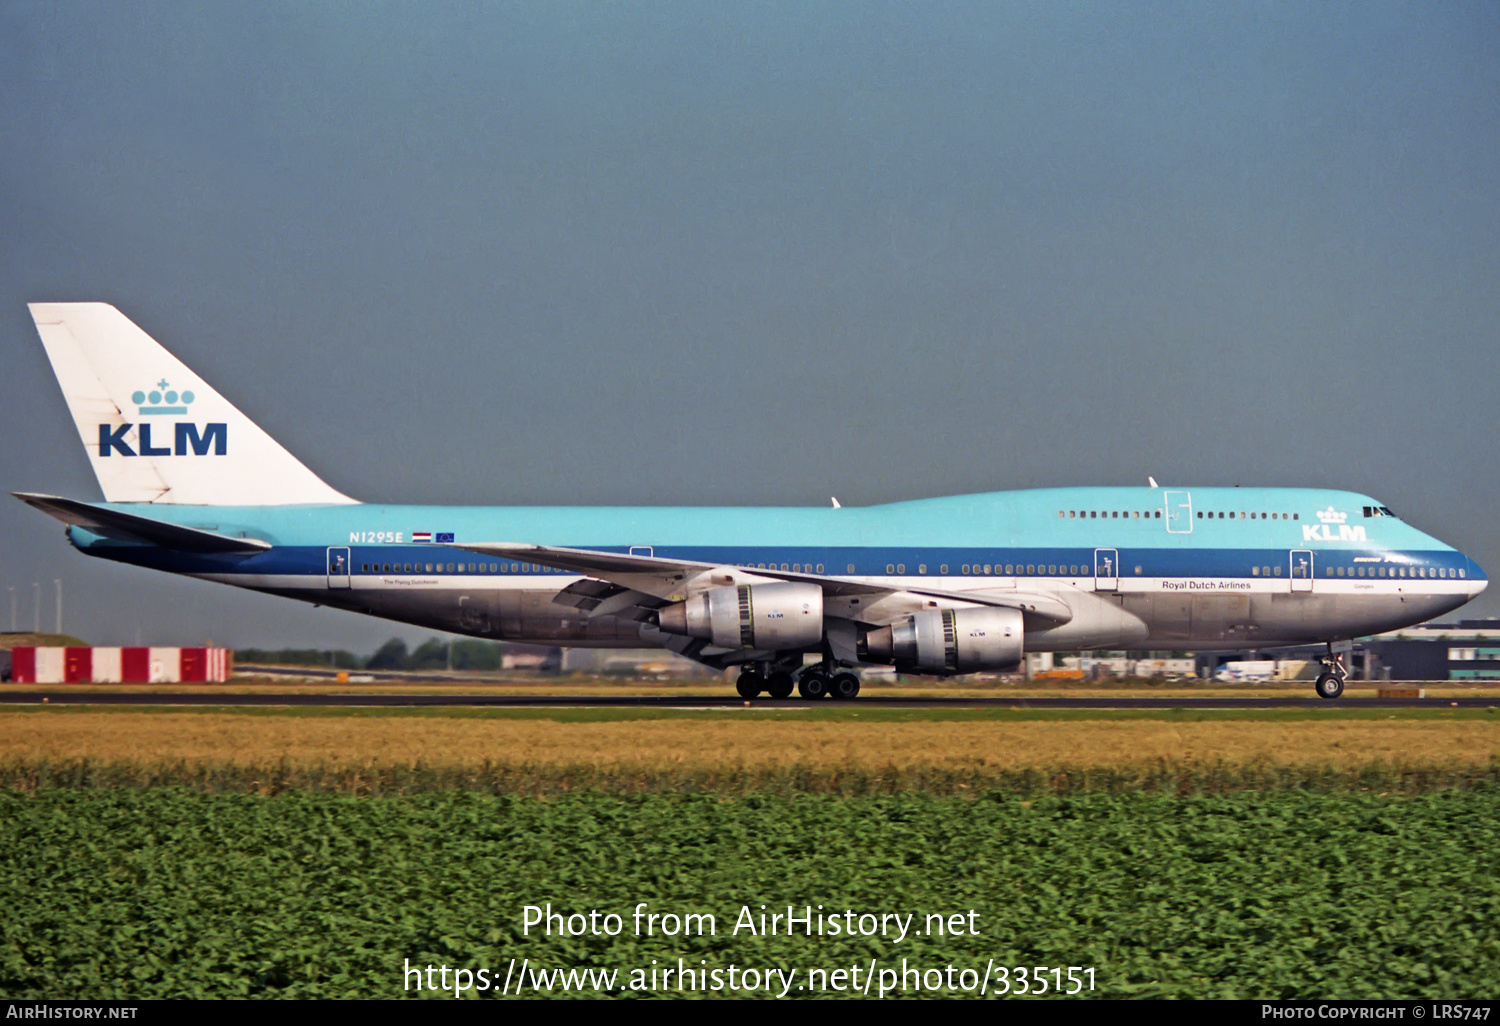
[405,741]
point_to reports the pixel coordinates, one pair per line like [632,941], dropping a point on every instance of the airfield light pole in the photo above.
[58,581]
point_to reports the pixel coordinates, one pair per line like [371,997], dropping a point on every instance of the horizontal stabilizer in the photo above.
[112,523]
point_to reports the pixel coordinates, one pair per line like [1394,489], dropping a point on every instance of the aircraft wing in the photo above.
[662,580]
[114,523]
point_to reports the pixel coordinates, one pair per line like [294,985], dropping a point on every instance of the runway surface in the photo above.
[63,697]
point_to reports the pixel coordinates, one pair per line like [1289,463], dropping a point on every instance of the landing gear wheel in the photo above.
[1329,685]
[750,684]
[844,686]
[779,685]
[812,684]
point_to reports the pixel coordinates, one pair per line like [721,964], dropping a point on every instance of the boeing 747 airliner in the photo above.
[797,598]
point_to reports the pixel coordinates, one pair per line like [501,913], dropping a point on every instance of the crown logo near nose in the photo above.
[162,399]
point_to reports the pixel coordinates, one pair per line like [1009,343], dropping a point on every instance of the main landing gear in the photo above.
[812,682]
[1330,683]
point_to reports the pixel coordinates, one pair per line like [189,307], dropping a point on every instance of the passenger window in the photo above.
[1072,513]
[1463,573]
[1051,569]
[890,568]
[1157,514]
[943,569]
[922,568]
[900,568]
[964,569]
[851,568]
[1010,568]
[1093,514]
[1030,568]
[1138,571]
[1277,571]
[1255,571]
[987,568]
[1060,514]
[820,568]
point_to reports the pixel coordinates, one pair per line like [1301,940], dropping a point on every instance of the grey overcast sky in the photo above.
[759,254]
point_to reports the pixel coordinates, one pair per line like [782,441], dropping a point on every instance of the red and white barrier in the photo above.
[32,664]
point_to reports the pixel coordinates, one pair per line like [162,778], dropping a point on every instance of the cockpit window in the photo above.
[1378,511]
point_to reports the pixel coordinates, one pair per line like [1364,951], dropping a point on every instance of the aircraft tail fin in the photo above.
[154,430]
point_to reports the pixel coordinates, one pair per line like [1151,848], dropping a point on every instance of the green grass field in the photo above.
[1286,892]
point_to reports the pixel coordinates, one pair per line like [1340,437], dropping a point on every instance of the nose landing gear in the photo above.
[1330,683]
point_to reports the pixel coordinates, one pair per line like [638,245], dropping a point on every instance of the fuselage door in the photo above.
[1301,569]
[338,568]
[1106,569]
[1179,511]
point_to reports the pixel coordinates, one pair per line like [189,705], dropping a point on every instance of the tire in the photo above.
[750,684]
[779,685]
[1329,685]
[812,686]
[844,686]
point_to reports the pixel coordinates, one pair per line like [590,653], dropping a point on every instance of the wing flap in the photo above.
[662,579]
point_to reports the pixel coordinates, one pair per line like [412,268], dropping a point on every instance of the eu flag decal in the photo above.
[445,537]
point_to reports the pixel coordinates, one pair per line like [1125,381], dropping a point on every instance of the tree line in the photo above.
[432,654]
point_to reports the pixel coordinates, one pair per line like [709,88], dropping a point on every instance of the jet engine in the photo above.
[765,616]
[950,641]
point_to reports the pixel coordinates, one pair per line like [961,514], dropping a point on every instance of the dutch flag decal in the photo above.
[421,536]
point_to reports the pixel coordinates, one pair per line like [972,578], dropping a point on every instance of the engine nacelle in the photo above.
[950,641]
[765,616]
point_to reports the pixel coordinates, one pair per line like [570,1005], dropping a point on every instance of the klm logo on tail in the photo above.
[162,400]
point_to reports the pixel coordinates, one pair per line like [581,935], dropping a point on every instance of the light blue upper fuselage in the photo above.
[1221,531]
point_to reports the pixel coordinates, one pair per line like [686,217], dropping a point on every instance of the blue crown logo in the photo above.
[161,400]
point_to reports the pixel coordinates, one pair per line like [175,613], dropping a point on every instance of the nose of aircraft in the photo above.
[1478,580]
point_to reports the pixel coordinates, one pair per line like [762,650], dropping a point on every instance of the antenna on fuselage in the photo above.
[835,499]
[1152,481]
